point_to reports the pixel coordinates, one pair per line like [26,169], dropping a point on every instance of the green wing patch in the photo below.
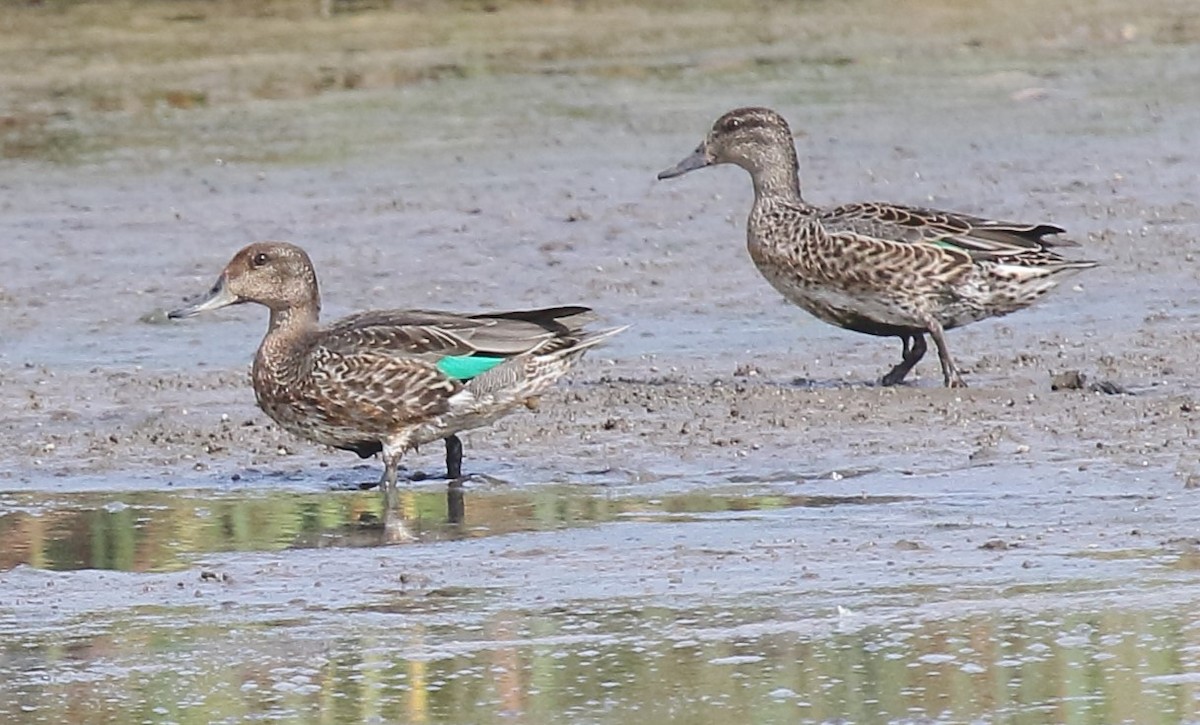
[465,367]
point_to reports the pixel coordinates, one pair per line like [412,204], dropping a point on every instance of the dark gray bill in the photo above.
[698,160]
[219,296]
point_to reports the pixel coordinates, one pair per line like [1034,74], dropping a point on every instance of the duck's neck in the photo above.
[293,318]
[287,330]
[776,174]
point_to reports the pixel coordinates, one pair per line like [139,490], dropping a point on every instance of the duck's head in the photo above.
[276,274]
[748,137]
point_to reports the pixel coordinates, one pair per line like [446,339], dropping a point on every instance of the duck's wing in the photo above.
[463,346]
[979,237]
[394,333]
[373,391]
[567,319]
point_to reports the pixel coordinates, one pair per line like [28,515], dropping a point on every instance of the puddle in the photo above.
[168,530]
[552,602]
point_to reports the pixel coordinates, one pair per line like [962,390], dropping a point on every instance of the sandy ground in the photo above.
[522,190]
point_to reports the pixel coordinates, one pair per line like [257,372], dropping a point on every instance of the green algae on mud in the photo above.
[133,76]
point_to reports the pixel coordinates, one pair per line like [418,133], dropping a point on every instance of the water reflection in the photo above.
[604,665]
[164,530]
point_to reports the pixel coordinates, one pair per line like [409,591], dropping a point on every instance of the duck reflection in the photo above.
[159,530]
[402,521]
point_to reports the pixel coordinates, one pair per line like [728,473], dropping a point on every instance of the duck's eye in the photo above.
[259,259]
[730,125]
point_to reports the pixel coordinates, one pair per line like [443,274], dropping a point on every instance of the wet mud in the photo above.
[719,515]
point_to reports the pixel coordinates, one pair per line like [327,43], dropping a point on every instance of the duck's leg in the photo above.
[454,451]
[393,451]
[949,370]
[910,356]
[390,466]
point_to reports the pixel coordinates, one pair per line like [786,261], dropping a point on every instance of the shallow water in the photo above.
[170,530]
[750,601]
[415,663]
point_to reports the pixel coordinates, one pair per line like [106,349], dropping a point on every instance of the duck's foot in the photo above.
[475,478]
[421,476]
[955,381]
[895,376]
[352,485]
[457,481]
[910,356]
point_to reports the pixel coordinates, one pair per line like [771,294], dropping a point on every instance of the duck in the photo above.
[387,381]
[878,268]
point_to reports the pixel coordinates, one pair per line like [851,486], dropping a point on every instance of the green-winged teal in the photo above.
[386,381]
[880,269]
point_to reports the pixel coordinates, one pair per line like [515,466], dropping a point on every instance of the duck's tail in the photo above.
[1047,269]
[1039,262]
[1068,265]
[588,340]
[1016,286]
[528,374]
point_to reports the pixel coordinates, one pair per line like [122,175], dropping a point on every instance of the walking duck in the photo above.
[876,268]
[386,381]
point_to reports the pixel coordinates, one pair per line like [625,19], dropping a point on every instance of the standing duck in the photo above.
[876,268]
[386,381]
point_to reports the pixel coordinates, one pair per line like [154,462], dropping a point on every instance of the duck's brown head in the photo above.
[275,274]
[754,138]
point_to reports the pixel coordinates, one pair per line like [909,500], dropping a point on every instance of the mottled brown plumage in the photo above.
[389,380]
[876,268]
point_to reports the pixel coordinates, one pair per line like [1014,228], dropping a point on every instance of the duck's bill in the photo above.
[698,160]
[219,296]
